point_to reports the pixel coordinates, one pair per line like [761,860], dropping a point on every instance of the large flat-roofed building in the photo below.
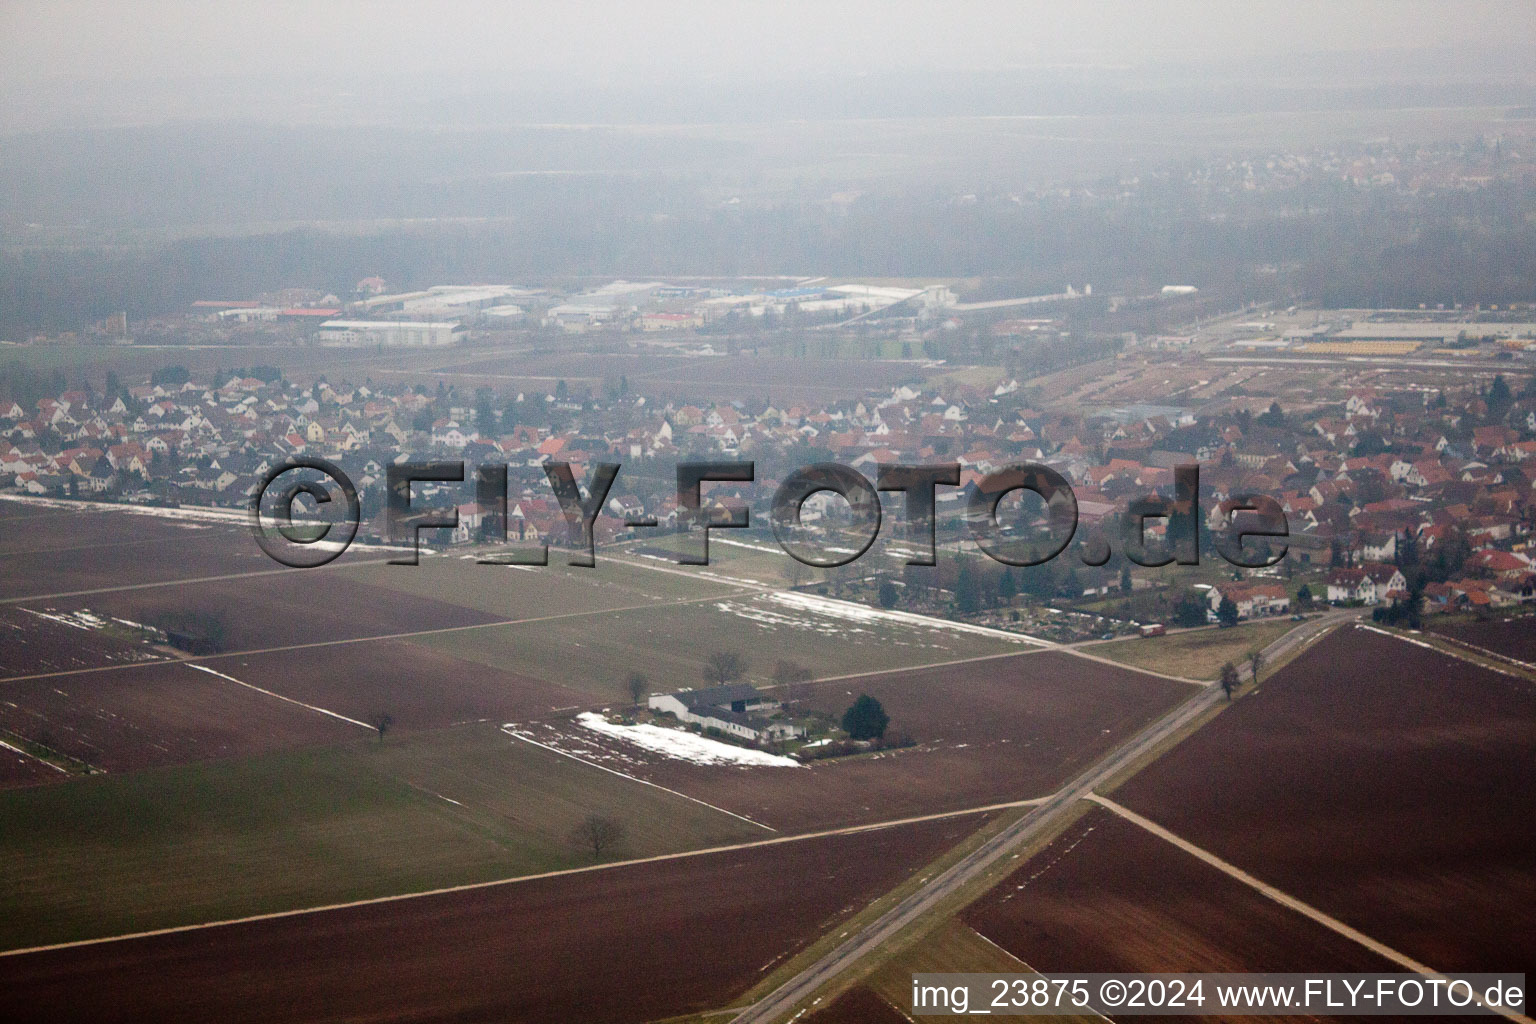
[668,321]
[457,300]
[1442,332]
[734,708]
[389,333]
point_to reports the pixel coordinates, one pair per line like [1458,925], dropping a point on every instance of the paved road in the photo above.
[795,992]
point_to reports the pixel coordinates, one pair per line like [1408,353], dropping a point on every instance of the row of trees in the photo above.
[1230,677]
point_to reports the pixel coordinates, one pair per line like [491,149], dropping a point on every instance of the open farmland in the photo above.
[420,687]
[746,558]
[356,820]
[157,714]
[1513,638]
[952,947]
[296,607]
[132,716]
[34,640]
[694,934]
[756,558]
[858,1005]
[509,592]
[1395,800]
[1107,896]
[51,551]
[669,643]
[986,732]
[60,527]
[17,768]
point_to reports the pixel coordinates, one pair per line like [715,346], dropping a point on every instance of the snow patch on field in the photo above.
[742,581]
[191,517]
[29,758]
[1399,636]
[684,746]
[186,513]
[81,619]
[770,619]
[862,613]
[728,542]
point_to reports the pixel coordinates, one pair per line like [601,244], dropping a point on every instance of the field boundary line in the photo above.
[22,753]
[1459,649]
[1485,652]
[749,586]
[1453,655]
[212,514]
[102,544]
[1078,653]
[935,622]
[911,668]
[1281,897]
[344,641]
[38,515]
[154,584]
[1028,969]
[506,729]
[1061,648]
[659,858]
[286,700]
[915,619]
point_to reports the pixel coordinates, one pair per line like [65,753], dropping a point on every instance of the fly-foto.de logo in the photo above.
[1033,539]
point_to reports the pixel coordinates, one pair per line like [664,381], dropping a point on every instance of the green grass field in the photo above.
[1198,654]
[203,842]
[670,644]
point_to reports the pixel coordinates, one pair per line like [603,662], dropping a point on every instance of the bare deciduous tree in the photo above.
[796,572]
[637,686]
[1255,662]
[383,723]
[724,667]
[598,833]
[789,675]
[1229,680]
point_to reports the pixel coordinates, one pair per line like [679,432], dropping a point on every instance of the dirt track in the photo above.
[1383,783]
[1107,896]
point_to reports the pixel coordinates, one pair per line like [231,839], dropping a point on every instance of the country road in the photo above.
[777,1005]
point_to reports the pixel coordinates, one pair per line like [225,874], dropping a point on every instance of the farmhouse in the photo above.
[736,709]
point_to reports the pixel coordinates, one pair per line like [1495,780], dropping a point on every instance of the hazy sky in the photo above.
[658,39]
